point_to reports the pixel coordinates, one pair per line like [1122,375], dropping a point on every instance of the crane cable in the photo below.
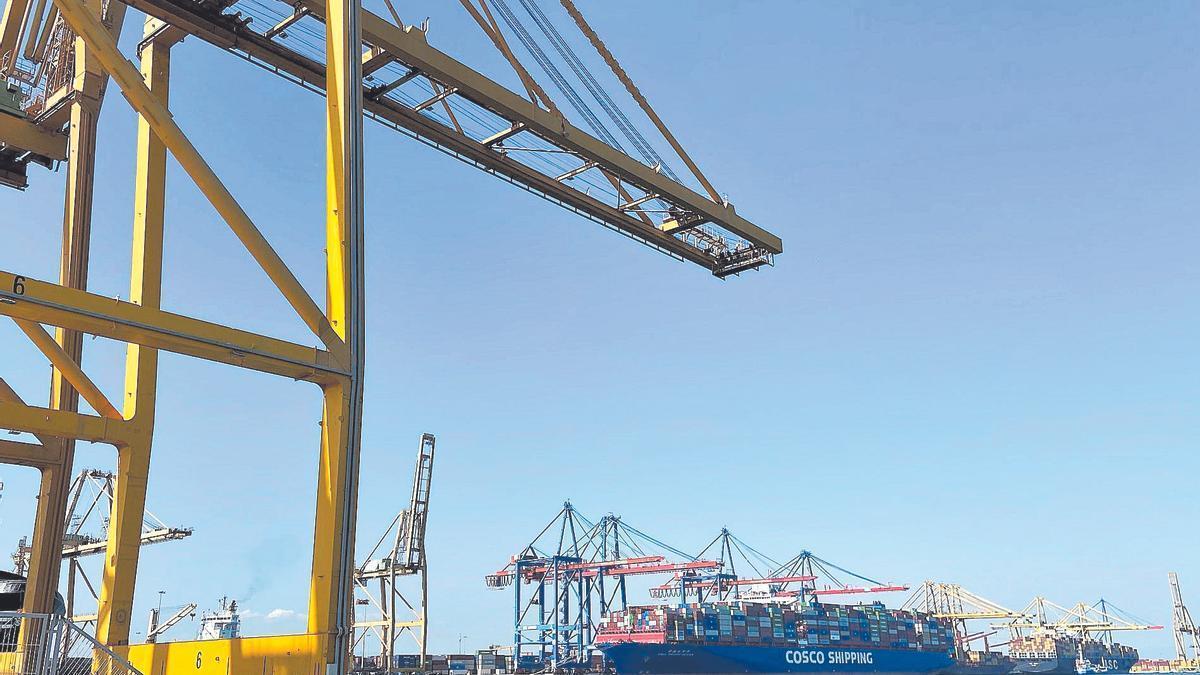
[560,82]
[597,91]
[636,93]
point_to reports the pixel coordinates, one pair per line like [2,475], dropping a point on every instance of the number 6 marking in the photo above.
[19,285]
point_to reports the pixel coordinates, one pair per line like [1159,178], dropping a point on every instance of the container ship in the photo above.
[1166,666]
[1062,654]
[968,662]
[745,637]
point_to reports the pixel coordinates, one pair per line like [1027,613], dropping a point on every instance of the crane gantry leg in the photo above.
[331,598]
[87,93]
[337,368]
[115,607]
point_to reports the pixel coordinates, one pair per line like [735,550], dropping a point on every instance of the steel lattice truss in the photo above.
[576,571]
[422,92]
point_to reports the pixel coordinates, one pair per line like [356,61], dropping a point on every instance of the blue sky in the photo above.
[975,362]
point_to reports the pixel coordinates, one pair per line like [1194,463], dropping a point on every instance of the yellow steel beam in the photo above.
[34,300]
[11,23]
[21,133]
[49,520]
[50,459]
[45,554]
[63,424]
[123,547]
[149,205]
[277,655]
[87,93]
[69,369]
[115,607]
[975,615]
[411,48]
[8,395]
[92,32]
[29,454]
[325,611]
[416,623]
[33,28]
[331,591]
[397,115]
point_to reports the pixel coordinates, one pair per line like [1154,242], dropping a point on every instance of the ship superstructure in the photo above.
[221,624]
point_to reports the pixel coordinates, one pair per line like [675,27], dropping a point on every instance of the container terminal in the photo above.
[67,606]
[728,608]
[591,143]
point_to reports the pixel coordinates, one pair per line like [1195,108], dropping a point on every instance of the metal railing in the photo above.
[50,644]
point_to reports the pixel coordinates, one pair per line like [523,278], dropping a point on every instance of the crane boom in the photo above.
[693,227]
[1082,619]
[1182,624]
[155,629]
[376,578]
[624,567]
[413,550]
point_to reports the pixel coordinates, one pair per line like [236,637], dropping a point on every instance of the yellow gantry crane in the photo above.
[58,57]
[89,512]
[959,605]
[1082,619]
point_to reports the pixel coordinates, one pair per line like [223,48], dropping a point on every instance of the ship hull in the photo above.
[702,659]
[1057,667]
[979,669]
[1044,666]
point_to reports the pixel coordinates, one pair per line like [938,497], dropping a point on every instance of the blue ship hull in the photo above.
[713,659]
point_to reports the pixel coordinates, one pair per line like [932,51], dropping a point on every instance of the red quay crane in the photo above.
[771,579]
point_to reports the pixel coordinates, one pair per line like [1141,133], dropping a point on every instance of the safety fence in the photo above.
[50,644]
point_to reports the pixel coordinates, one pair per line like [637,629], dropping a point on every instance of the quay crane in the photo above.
[1099,619]
[727,583]
[85,530]
[808,564]
[771,580]
[608,171]
[376,578]
[578,569]
[1182,626]
[1185,633]
[57,58]
[155,629]
[959,605]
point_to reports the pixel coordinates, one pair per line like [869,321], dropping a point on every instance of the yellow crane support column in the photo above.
[48,459]
[141,363]
[49,520]
[11,23]
[341,329]
[332,586]
[153,111]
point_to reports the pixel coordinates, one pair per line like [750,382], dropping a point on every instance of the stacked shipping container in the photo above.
[1166,666]
[977,659]
[1049,645]
[486,662]
[803,624]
